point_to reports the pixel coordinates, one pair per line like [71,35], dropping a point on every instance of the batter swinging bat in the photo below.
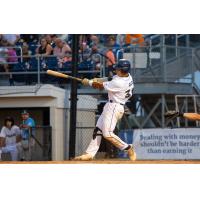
[61,75]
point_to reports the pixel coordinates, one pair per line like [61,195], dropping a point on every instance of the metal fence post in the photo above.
[163,110]
[73,97]
[187,40]
[176,43]
[192,67]
[163,58]
[38,69]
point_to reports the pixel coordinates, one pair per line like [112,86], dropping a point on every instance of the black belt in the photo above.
[111,101]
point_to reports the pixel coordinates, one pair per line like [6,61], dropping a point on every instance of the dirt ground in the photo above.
[117,161]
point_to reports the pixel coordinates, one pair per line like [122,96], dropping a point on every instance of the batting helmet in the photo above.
[123,65]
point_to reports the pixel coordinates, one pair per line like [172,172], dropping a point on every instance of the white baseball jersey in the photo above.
[10,134]
[120,89]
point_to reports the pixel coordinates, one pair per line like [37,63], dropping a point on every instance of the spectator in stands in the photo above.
[3,54]
[62,51]
[95,43]
[28,134]
[11,39]
[86,38]
[134,39]
[26,52]
[94,40]
[84,51]
[51,39]
[110,61]
[44,48]
[8,57]
[113,45]
[112,42]
[120,39]
[30,38]
[54,37]
[9,137]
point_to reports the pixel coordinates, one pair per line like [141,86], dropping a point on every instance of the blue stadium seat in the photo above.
[52,63]
[67,66]
[85,65]
[32,48]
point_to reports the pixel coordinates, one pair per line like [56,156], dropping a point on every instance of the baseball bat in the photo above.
[62,75]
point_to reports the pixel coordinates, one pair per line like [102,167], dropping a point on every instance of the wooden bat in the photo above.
[61,75]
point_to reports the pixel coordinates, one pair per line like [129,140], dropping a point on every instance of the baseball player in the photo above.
[171,114]
[10,135]
[119,91]
[27,144]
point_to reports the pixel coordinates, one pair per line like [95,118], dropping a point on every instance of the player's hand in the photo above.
[95,80]
[97,85]
[85,81]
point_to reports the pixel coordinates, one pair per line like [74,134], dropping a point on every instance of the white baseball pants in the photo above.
[12,150]
[112,112]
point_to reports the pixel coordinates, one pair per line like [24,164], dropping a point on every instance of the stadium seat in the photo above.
[52,63]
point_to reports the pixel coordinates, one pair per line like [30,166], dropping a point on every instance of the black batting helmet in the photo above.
[123,65]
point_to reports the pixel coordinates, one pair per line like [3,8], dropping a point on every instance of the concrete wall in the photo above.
[57,120]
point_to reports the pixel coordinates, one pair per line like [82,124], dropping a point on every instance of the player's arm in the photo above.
[101,80]
[2,138]
[93,83]
[107,85]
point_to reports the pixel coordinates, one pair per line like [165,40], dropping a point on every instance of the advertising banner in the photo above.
[163,144]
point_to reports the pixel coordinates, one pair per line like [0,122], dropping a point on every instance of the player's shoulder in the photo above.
[3,129]
[30,119]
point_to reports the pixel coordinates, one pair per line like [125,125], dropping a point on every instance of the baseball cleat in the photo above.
[131,154]
[84,157]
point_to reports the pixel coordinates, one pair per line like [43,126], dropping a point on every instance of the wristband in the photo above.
[90,82]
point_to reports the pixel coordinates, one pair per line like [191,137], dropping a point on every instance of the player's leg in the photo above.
[114,113]
[25,150]
[95,142]
[14,153]
[20,150]
[12,150]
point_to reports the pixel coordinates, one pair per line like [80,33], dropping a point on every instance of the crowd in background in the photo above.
[58,49]
[18,51]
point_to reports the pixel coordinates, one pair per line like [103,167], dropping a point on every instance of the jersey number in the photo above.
[128,94]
